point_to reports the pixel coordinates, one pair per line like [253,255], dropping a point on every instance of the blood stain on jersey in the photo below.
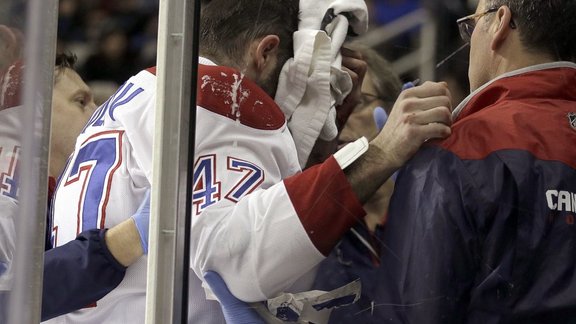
[10,86]
[233,92]
[572,119]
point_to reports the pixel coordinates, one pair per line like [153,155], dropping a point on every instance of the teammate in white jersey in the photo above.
[79,272]
[10,127]
[83,270]
[259,222]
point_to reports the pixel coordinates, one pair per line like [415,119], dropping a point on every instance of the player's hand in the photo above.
[235,311]
[420,113]
[354,64]
[142,220]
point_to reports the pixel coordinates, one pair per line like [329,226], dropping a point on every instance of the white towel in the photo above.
[312,83]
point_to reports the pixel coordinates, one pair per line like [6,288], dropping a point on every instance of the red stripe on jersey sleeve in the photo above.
[231,94]
[325,203]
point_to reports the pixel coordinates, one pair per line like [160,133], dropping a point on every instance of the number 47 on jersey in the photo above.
[207,188]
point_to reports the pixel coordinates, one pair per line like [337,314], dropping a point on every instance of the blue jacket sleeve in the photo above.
[483,240]
[78,273]
[429,242]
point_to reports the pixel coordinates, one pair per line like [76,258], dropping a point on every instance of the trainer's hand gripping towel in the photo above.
[312,83]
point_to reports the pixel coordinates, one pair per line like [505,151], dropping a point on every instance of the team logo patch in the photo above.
[572,119]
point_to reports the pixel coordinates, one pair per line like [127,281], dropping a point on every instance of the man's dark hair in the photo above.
[64,61]
[547,26]
[227,27]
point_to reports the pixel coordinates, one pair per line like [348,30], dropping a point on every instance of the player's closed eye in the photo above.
[80,101]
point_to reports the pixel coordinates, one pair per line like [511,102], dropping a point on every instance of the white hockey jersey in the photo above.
[10,128]
[9,184]
[259,232]
[103,184]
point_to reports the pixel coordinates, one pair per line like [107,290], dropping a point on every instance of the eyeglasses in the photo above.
[466,24]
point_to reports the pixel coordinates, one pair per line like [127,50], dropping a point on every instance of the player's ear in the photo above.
[265,52]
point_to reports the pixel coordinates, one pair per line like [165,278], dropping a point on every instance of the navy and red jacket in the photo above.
[482,224]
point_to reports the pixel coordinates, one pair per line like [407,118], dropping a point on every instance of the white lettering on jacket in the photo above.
[561,200]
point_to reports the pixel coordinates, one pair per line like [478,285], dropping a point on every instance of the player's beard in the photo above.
[269,83]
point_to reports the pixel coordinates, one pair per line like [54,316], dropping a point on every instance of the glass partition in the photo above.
[28,34]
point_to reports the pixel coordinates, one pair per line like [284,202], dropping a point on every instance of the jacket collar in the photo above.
[547,75]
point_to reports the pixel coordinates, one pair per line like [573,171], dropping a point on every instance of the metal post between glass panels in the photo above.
[168,259]
[40,47]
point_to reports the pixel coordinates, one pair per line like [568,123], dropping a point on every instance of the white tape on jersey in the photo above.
[349,153]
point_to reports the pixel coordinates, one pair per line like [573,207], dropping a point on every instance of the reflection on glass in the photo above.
[10,147]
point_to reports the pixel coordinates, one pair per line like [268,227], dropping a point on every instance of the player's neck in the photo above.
[56,165]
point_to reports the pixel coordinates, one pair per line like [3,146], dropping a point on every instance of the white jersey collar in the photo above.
[205,61]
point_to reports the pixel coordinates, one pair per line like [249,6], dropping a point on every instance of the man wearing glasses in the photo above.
[482,225]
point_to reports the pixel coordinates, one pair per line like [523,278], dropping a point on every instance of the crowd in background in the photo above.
[115,39]
[112,39]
